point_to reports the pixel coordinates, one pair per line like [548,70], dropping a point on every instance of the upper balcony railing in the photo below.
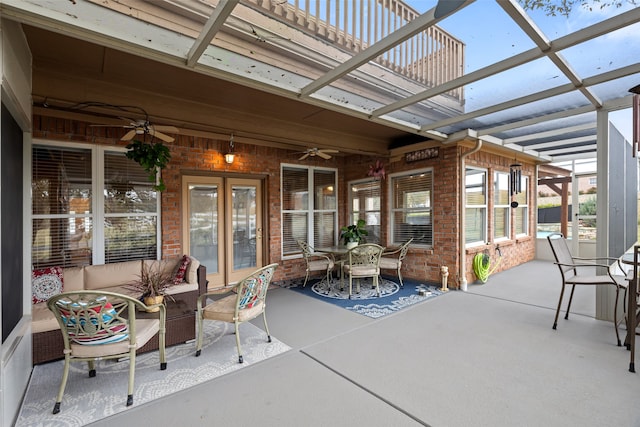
[432,57]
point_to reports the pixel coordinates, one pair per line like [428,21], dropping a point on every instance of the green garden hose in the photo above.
[482,266]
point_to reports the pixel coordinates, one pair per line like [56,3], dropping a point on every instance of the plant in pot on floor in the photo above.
[153,282]
[352,235]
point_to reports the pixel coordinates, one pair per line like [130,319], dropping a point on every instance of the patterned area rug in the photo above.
[392,297]
[89,399]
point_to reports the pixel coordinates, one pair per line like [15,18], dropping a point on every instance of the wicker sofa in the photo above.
[117,277]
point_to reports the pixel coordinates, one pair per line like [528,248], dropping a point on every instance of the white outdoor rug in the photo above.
[89,399]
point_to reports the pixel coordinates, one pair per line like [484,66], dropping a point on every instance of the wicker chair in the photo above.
[247,301]
[316,261]
[393,260]
[582,271]
[102,325]
[362,261]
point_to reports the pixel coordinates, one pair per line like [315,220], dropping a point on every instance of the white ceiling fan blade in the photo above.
[323,154]
[304,156]
[129,135]
[329,150]
[160,135]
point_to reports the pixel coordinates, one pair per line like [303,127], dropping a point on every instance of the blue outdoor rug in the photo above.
[392,298]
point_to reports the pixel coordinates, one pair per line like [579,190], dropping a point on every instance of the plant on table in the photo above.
[354,233]
[153,281]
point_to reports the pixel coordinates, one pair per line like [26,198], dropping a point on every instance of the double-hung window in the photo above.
[412,207]
[90,205]
[475,206]
[501,208]
[309,207]
[364,197]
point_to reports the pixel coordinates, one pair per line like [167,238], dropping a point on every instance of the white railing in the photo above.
[432,57]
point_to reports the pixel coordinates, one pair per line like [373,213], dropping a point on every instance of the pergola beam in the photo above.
[210,29]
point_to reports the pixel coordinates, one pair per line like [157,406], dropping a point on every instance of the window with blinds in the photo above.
[312,219]
[71,227]
[476,206]
[364,200]
[62,202]
[130,211]
[501,213]
[522,211]
[411,208]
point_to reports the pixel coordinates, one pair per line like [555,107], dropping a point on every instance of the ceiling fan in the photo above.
[144,127]
[312,152]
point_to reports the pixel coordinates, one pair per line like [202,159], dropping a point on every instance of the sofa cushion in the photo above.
[73,278]
[42,319]
[93,325]
[45,283]
[181,270]
[192,271]
[109,275]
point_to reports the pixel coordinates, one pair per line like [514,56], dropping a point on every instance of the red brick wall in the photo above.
[516,250]
[197,156]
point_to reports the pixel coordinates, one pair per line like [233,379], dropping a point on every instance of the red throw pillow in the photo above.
[182,270]
[45,283]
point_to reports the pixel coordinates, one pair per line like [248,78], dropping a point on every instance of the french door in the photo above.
[223,225]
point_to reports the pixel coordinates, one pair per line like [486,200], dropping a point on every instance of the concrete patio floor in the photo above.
[487,357]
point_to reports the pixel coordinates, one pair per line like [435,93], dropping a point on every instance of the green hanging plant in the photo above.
[152,157]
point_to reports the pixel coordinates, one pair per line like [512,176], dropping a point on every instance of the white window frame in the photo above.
[524,206]
[485,206]
[505,207]
[310,206]
[97,203]
[362,213]
[391,212]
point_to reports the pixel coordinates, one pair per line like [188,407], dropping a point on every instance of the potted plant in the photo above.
[352,235]
[152,157]
[153,282]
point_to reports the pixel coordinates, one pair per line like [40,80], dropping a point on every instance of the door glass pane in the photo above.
[203,228]
[244,226]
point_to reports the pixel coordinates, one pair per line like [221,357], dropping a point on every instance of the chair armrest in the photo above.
[202,279]
[391,252]
[596,259]
[582,265]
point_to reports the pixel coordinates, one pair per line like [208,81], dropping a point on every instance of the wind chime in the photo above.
[515,180]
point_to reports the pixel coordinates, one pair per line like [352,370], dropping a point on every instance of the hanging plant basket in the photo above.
[152,157]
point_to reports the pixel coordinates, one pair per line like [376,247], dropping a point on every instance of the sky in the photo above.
[490,36]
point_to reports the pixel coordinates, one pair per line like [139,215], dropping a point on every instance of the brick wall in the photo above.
[200,156]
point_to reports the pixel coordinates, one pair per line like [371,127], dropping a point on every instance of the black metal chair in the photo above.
[583,271]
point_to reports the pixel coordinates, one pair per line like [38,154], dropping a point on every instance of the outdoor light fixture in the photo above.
[515,178]
[230,155]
